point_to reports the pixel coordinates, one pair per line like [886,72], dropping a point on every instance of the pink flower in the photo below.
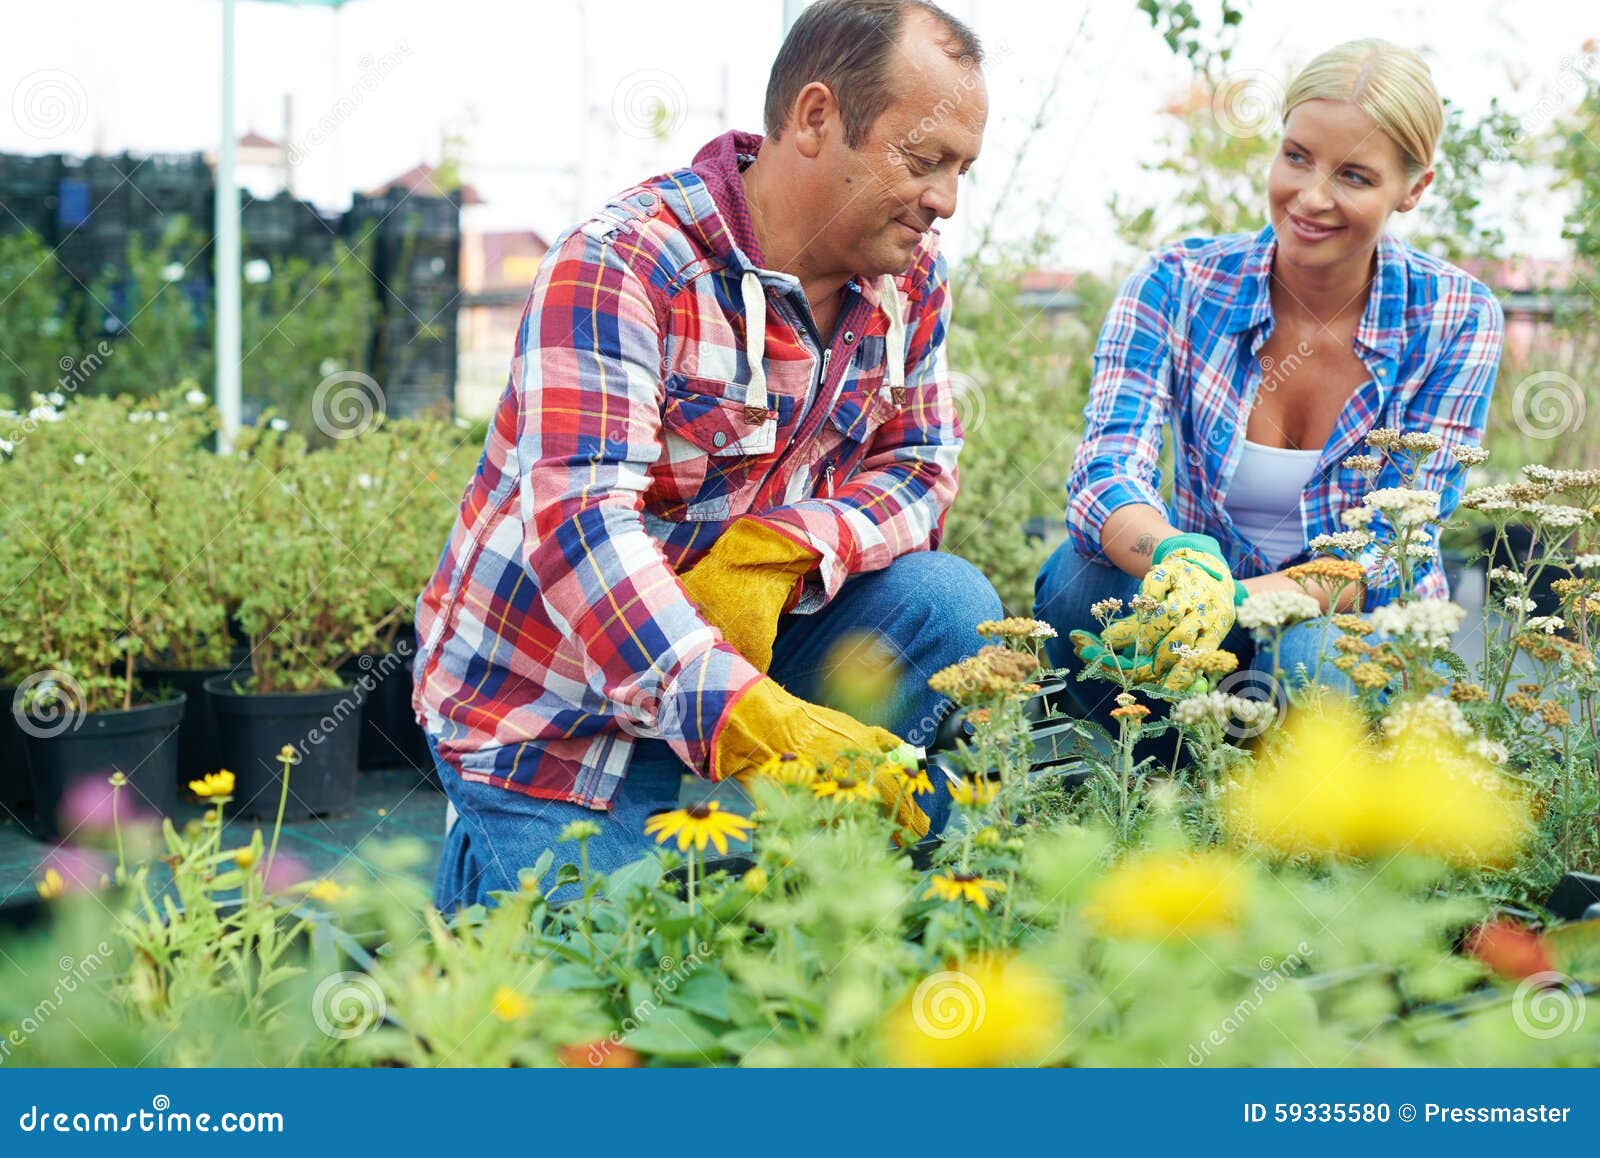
[86,807]
[71,870]
[286,872]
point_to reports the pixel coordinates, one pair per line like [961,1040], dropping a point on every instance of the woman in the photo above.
[1273,356]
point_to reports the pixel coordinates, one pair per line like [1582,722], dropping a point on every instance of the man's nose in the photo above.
[940,197]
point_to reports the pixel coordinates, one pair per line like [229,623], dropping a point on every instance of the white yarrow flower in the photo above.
[1549,624]
[1428,622]
[1276,609]
[1519,603]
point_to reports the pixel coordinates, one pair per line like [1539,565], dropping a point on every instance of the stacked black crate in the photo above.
[94,217]
[29,195]
[417,260]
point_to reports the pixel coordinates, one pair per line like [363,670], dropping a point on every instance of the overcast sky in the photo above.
[516,77]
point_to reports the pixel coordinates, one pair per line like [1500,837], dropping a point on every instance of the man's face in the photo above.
[880,198]
[1333,184]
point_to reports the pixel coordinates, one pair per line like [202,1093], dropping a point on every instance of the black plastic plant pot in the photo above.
[1575,893]
[390,734]
[199,750]
[1055,742]
[1045,702]
[64,753]
[323,728]
[16,790]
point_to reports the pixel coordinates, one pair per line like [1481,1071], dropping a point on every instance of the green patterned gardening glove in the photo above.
[1196,594]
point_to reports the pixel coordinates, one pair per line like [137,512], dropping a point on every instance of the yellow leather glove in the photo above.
[1197,597]
[768,721]
[745,582]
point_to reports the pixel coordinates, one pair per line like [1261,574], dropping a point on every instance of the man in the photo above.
[727,445]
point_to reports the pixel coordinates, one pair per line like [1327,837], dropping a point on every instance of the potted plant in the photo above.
[195,527]
[87,572]
[300,584]
[415,466]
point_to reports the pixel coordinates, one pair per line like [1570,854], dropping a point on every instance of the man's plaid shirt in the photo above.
[1179,347]
[631,432]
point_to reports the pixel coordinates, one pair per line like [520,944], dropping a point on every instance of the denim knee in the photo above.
[942,598]
[1066,587]
[1308,645]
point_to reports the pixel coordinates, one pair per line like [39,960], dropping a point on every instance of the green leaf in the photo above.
[705,992]
[572,976]
[675,1034]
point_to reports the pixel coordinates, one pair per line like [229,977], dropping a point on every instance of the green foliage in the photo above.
[1022,378]
[158,335]
[34,335]
[129,541]
[307,321]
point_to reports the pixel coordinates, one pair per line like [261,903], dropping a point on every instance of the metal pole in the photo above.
[226,250]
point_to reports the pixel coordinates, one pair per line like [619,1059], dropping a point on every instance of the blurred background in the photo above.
[404,165]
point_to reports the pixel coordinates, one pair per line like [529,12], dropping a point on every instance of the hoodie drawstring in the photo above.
[894,388]
[755,345]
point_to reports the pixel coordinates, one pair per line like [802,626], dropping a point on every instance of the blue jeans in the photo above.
[1069,584]
[924,607]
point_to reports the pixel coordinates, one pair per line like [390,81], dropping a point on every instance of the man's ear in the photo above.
[816,117]
[1414,194]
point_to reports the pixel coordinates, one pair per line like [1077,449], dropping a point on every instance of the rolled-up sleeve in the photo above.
[1130,396]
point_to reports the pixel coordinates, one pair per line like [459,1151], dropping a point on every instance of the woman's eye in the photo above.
[1357,178]
[1293,156]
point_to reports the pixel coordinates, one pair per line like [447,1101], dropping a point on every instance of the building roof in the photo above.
[420,178]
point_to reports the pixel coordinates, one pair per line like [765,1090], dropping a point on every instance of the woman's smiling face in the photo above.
[1333,184]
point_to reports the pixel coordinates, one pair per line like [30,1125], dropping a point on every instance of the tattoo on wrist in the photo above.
[1145,546]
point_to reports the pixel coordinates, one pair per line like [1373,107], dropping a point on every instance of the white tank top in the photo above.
[1263,500]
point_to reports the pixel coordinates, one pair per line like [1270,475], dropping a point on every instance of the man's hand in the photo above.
[768,722]
[745,582]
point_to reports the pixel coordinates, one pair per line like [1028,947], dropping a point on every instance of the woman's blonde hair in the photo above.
[1392,85]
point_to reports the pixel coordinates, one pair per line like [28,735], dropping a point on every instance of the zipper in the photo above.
[812,418]
[827,480]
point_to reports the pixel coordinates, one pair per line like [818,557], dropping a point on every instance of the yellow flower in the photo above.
[1156,894]
[755,880]
[1130,712]
[917,782]
[1324,790]
[288,755]
[326,891]
[509,1005]
[53,884]
[579,830]
[963,886]
[996,1012]
[213,784]
[974,793]
[698,824]
[244,858]
[843,783]
[787,768]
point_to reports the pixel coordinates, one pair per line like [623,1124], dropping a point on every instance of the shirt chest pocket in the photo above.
[867,401]
[716,450]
